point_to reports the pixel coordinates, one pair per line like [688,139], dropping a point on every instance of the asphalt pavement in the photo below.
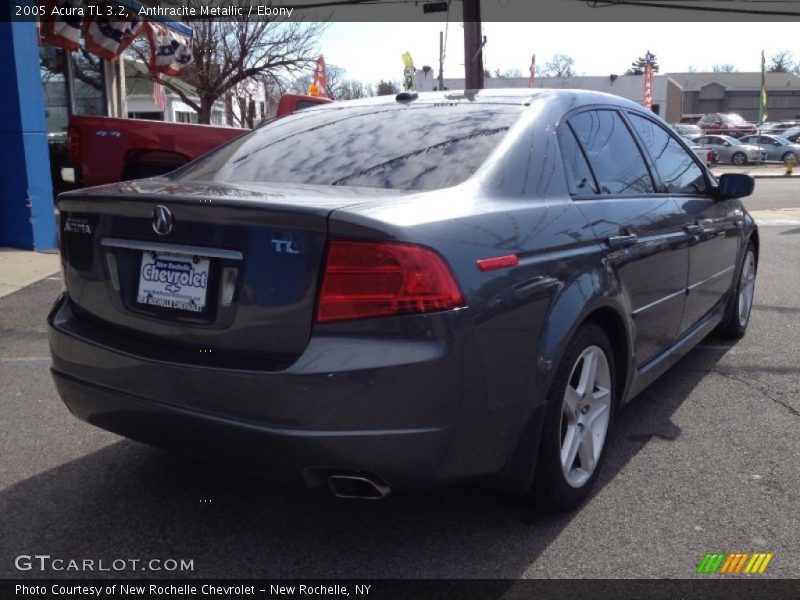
[705,460]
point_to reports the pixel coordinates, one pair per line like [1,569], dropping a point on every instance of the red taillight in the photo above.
[74,144]
[374,279]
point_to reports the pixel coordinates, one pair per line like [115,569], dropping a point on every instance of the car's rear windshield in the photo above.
[413,147]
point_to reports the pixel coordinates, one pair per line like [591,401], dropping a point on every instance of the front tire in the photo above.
[739,158]
[580,409]
[737,317]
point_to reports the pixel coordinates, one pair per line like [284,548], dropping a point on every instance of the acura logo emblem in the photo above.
[162,220]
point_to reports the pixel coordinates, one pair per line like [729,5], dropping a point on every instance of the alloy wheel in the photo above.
[747,284]
[585,416]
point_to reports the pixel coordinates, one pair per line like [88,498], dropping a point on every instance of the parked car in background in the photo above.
[777,147]
[726,124]
[403,291]
[705,153]
[731,150]
[687,130]
[793,134]
[777,127]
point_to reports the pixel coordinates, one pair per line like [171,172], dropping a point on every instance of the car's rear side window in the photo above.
[582,178]
[416,147]
[678,170]
[612,152]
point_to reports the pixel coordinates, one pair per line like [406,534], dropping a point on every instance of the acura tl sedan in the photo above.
[403,291]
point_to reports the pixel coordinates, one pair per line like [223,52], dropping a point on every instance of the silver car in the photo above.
[731,150]
[777,147]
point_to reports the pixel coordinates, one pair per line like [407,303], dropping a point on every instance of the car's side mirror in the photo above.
[735,185]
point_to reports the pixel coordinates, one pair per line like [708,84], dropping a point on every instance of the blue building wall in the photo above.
[26,194]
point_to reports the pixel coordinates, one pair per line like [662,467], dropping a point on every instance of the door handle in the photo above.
[693,229]
[622,241]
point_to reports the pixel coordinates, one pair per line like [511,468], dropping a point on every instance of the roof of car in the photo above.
[517,96]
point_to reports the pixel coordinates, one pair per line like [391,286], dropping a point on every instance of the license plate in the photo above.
[177,281]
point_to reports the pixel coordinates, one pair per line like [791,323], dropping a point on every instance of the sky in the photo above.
[371,51]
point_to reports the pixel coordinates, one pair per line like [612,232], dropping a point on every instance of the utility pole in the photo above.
[441,61]
[473,46]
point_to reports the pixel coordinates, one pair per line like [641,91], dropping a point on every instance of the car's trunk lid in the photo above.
[235,275]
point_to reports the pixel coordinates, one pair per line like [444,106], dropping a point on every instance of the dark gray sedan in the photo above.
[777,147]
[403,291]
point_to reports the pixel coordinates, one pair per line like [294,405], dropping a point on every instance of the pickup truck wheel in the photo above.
[739,158]
[580,409]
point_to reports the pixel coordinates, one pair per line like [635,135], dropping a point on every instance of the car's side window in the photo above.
[679,172]
[612,153]
[575,161]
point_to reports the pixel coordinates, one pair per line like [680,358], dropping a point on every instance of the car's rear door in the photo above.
[613,186]
[713,227]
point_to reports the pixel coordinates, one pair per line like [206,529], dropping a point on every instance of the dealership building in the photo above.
[675,95]
[42,85]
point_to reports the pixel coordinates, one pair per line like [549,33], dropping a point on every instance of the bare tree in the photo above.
[726,68]
[352,89]
[508,73]
[781,62]
[561,65]
[338,86]
[226,54]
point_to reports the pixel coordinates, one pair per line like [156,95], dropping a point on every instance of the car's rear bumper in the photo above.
[405,419]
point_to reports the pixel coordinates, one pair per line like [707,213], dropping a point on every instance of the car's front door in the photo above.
[713,228]
[643,231]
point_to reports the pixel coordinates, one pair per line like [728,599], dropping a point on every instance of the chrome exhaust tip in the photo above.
[361,487]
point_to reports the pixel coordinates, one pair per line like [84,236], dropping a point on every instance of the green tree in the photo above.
[638,66]
[781,62]
[386,88]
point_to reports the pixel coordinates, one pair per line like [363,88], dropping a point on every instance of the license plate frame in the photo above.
[173,281]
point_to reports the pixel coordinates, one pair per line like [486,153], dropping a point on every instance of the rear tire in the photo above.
[580,410]
[737,315]
[739,158]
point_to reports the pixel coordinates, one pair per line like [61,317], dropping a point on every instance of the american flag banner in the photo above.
[63,31]
[170,51]
[159,96]
[108,36]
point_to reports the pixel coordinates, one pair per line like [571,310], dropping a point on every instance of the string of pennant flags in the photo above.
[109,29]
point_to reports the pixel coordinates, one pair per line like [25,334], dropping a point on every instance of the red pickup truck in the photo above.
[107,150]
